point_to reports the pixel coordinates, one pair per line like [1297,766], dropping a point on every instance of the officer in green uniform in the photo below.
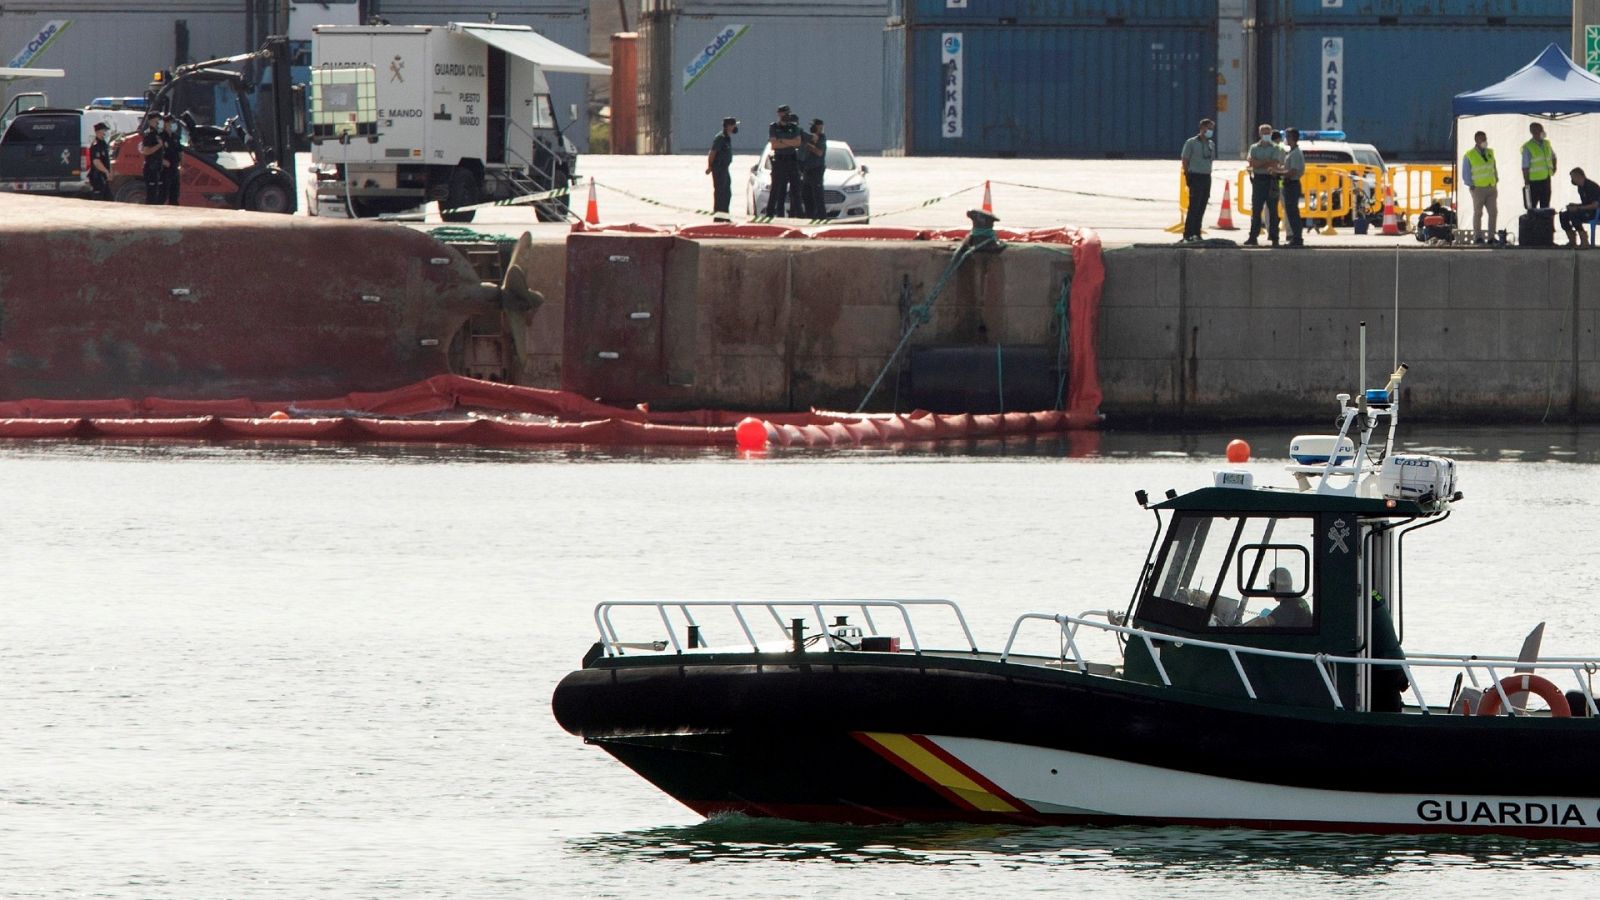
[1483,179]
[1265,162]
[1199,152]
[1538,164]
[717,162]
[1294,166]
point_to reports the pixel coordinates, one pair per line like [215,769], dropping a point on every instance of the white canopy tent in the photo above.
[1551,90]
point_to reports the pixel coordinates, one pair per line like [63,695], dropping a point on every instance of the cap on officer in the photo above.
[729,120]
[784,108]
[816,122]
[101,126]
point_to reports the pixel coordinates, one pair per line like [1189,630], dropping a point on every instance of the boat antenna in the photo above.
[1361,369]
[1396,362]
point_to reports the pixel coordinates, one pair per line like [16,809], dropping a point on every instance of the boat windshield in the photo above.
[1243,571]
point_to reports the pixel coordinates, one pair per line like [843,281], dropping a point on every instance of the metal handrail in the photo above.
[613,646]
[1470,664]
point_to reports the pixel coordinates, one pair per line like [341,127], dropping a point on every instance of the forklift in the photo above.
[239,118]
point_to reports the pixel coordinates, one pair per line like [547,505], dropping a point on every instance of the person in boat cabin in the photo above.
[1291,612]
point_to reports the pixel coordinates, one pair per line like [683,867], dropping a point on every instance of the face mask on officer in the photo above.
[1209,133]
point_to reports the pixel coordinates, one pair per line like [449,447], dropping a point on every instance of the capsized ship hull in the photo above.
[113,300]
[879,737]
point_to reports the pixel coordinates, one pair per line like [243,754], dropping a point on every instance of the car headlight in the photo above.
[853,188]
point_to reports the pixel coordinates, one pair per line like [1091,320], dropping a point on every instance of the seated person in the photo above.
[1291,612]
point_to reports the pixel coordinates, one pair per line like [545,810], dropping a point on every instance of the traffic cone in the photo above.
[1391,225]
[1225,217]
[592,214]
[988,202]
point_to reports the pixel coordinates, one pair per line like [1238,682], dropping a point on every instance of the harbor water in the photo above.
[326,671]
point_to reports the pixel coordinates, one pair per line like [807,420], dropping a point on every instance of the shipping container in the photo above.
[1400,12]
[1387,85]
[110,48]
[1049,12]
[564,21]
[701,61]
[1104,91]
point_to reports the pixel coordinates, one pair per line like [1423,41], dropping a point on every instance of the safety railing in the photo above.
[1495,668]
[696,637]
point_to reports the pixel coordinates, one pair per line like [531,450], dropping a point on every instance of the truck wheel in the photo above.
[270,195]
[464,190]
[129,190]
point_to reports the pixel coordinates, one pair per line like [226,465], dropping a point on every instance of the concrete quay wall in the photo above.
[746,324]
[1226,334]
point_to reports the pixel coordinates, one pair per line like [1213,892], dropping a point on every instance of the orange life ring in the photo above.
[1516,684]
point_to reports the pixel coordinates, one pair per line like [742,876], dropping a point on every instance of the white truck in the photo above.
[457,113]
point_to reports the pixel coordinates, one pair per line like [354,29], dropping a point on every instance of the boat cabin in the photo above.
[1275,570]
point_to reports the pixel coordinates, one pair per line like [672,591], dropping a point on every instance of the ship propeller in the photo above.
[515,295]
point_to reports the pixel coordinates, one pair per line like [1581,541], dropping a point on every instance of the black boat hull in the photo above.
[870,738]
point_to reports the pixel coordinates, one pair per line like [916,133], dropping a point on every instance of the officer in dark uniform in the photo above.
[784,137]
[173,153]
[150,148]
[717,163]
[813,162]
[100,164]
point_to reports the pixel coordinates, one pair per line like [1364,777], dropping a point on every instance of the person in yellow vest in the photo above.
[1478,168]
[1538,164]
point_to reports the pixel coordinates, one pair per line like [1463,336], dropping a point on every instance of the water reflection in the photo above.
[1168,852]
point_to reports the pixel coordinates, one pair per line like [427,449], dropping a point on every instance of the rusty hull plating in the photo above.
[114,300]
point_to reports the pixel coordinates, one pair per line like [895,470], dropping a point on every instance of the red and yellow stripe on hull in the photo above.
[926,761]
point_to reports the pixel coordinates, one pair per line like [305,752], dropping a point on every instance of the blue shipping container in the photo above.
[1052,12]
[1436,12]
[1107,91]
[1393,85]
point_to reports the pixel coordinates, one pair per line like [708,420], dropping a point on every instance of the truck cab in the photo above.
[460,114]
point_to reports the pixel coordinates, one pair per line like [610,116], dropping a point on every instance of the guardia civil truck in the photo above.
[458,113]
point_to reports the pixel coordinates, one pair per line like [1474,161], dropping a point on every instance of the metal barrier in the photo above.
[1417,185]
[1328,193]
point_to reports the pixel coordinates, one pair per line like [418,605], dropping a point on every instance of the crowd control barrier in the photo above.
[1417,185]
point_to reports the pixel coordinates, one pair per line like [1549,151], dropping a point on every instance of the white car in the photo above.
[1329,147]
[844,184]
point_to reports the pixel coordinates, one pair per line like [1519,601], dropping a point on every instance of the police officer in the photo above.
[150,148]
[1265,162]
[1198,154]
[1538,165]
[812,166]
[172,151]
[1294,166]
[784,138]
[100,164]
[717,162]
[1483,178]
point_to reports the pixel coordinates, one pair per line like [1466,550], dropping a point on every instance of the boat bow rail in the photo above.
[796,622]
[1497,676]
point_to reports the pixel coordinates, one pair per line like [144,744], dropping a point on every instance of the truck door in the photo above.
[495,152]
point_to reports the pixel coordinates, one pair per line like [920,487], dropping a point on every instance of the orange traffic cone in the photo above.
[988,202]
[1225,217]
[1391,224]
[592,214]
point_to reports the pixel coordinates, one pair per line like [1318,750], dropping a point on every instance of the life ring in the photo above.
[1516,684]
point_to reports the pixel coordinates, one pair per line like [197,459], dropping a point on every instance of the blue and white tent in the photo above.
[1552,90]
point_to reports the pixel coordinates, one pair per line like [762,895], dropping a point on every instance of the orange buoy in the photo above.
[279,414]
[1238,451]
[750,434]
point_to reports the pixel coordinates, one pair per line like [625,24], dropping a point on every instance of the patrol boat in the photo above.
[1255,679]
